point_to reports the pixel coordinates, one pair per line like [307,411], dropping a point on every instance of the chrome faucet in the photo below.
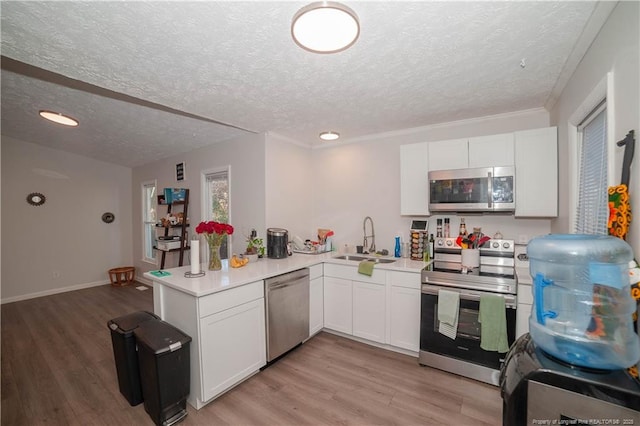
[372,249]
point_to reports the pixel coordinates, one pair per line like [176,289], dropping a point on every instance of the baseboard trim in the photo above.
[145,281]
[53,291]
[372,343]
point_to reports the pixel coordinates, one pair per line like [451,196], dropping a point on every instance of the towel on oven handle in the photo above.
[448,310]
[493,321]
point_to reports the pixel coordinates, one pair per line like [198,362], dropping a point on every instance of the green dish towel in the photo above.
[493,318]
[366,267]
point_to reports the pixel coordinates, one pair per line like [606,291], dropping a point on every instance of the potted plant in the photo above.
[255,247]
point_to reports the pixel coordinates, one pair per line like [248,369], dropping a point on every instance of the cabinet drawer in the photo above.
[404,279]
[315,271]
[349,272]
[227,299]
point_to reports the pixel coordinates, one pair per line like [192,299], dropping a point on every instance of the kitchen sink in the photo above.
[357,258]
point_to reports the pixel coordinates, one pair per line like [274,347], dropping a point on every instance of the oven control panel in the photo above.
[492,246]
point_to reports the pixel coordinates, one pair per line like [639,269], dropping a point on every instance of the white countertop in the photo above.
[227,278]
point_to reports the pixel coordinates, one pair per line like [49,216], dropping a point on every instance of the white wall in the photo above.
[66,235]
[289,186]
[246,157]
[616,49]
[362,178]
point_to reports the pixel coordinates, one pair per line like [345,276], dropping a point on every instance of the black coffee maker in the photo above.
[277,243]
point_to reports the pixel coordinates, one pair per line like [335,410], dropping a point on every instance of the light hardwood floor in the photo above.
[58,369]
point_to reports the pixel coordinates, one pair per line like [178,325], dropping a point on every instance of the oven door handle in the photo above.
[466,294]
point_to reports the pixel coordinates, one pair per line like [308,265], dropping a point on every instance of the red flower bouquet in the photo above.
[214,232]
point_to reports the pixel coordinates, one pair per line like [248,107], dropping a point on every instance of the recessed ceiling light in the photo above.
[325,27]
[329,136]
[56,117]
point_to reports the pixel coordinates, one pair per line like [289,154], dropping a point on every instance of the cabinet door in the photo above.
[404,318]
[233,346]
[448,155]
[414,185]
[536,162]
[522,319]
[338,306]
[369,314]
[316,306]
[491,151]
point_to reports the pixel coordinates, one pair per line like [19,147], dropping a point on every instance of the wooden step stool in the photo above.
[122,276]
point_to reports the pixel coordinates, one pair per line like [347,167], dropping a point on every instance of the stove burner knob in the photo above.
[440,242]
[505,245]
[449,243]
[496,245]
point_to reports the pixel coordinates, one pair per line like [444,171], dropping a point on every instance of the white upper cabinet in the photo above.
[491,151]
[482,151]
[449,155]
[536,162]
[534,153]
[414,186]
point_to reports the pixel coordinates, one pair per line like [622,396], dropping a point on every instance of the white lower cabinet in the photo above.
[369,311]
[338,304]
[228,335]
[525,302]
[233,346]
[316,305]
[404,310]
[404,318]
[383,308]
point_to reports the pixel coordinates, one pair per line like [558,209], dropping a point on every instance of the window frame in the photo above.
[204,196]
[602,91]
[146,224]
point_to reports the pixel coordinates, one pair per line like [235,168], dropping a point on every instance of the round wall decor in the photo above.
[108,217]
[36,199]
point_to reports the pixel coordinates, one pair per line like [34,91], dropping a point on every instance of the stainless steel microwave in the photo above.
[486,189]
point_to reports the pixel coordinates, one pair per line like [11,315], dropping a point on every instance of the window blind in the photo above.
[593,201]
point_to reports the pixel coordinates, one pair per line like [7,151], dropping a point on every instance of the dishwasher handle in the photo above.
[274,282]
[278,286]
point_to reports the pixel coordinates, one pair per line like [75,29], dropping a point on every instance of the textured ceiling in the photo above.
[152,79]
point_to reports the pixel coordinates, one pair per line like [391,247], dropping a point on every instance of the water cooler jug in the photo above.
[582,305]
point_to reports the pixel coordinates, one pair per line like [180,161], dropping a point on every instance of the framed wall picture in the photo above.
[180,169]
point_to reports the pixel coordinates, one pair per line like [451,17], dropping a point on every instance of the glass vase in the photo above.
[215,263]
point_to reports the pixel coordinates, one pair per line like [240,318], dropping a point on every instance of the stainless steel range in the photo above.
[495,275]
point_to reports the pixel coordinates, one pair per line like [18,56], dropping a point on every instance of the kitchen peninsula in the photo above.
[224,313]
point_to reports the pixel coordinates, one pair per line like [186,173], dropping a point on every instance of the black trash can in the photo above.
[163,355]
[124,353]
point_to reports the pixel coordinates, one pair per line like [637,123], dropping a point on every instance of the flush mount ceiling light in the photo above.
[325,27]
[59,118]
[329,136]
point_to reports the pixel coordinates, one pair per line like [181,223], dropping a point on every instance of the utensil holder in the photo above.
[471,258]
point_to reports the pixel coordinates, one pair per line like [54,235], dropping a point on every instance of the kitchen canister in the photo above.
[277,241]
[582,304]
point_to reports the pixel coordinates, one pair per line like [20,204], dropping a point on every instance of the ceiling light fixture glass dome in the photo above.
[59,118]
[329,136]
[325,27]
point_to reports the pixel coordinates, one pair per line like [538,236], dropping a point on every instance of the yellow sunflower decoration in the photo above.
[619,211]
[618,226]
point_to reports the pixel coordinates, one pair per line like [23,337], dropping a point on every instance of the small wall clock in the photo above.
[36,199]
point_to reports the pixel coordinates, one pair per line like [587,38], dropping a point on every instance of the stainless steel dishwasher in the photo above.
[287,311]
